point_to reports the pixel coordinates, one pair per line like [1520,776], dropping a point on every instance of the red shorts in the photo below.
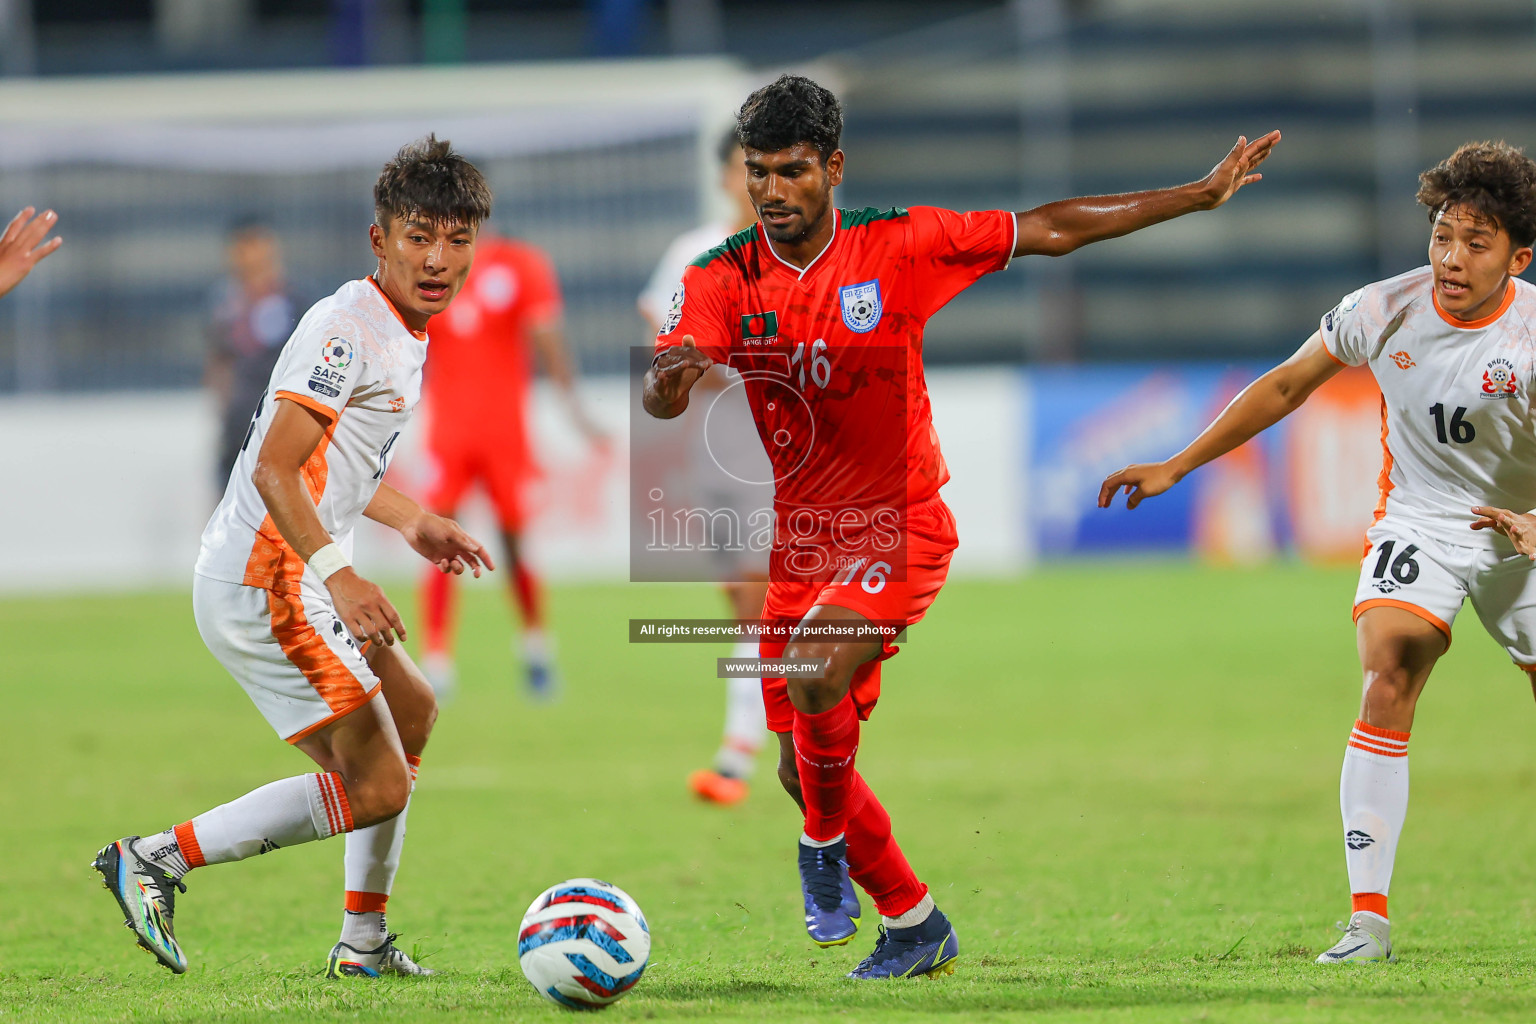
[505,469]
[931,540]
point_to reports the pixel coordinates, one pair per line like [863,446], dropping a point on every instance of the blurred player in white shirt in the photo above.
[744,579]
[275,597]
[1451,347]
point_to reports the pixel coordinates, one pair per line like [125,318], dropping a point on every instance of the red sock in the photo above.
[824,749]
[874,859]
[529,595]
[437,594]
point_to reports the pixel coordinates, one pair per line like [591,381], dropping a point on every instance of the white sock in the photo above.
[536,646]
[820,844]
[745,721]
[165,851]
[1373,798]
[284,813]
[371,859]
[364,931]
[916,916]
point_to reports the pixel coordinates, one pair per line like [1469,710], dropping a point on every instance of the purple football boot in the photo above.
[831,905]
[927,949]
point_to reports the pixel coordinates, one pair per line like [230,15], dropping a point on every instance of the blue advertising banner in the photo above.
[1087,422]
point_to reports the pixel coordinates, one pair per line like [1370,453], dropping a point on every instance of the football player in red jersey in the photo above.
[478,390]
[823,312]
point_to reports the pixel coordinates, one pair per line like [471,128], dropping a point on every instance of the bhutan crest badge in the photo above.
[861,306]
[1499,380]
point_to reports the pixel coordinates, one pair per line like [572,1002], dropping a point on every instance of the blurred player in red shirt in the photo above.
[822,311]
[478,387]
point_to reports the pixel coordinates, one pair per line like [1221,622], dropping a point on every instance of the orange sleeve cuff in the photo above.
[331,415]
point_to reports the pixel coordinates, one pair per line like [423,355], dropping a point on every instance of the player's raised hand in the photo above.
[363,608]
[22,245]
[444,543]
[1237,169]
[1141,481]
[679,367]
[1519,527]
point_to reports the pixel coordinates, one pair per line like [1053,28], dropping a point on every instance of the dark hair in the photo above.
[727,146]
[428,180]
[1494,179]
[792,110]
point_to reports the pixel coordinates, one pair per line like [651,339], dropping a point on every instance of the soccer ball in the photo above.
[583,943]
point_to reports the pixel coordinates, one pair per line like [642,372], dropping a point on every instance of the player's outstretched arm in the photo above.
[670,377]
[1262,404]
[22,245]
[1058,228]
[1519,527]
[279,478]
[438,539]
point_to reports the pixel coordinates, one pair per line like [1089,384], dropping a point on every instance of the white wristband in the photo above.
[328,561]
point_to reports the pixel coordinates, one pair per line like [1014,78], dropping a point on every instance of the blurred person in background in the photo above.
[478,389]
[744,579]
[254,312]
[22,245]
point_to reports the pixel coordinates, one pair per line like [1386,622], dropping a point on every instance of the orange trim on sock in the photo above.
[1386,734]
[366,902]
[186,839]
[412,765]
[341,800]
[1374,902]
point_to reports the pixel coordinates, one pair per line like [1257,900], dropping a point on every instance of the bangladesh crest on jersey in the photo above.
[861,306]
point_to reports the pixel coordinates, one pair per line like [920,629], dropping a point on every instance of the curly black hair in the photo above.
[428,180]
[1496,180]
[792,110]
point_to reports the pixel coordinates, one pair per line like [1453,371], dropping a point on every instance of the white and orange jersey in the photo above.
[1458,427]
[353,361]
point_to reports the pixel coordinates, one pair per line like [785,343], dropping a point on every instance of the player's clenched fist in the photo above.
[1144,480]
[362,606]
[1519,527]
[444,543]
[671,375]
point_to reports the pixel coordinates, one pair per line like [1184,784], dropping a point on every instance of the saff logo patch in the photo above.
[1499,380]
[861,306]
[760,328]
[337,354]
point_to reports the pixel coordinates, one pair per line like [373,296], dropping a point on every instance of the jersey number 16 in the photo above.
[1458,430]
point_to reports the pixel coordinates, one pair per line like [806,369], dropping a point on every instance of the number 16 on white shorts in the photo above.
[1405,567]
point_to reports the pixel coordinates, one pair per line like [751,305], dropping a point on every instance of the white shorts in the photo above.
[1405,567]
[294,657]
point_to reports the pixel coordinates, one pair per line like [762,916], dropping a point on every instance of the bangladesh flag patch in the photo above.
[760,327]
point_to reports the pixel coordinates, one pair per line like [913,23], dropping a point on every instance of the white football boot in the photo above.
[1367,939]
[347,961]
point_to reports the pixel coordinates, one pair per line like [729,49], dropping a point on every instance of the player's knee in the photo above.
[380,795]
[1388,684]
[814,694]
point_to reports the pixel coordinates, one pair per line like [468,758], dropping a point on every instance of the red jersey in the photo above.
[477,375]
[832,355]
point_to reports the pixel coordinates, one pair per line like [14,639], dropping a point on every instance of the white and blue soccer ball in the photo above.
[583,943]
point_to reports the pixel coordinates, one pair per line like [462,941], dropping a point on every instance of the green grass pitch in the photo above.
[1121,783]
